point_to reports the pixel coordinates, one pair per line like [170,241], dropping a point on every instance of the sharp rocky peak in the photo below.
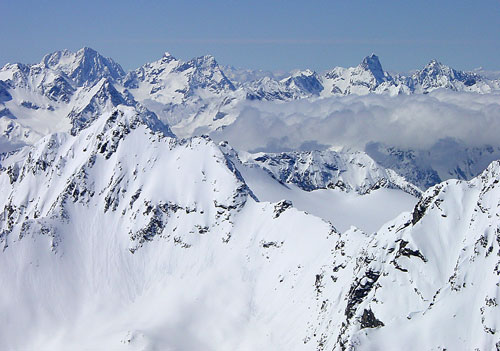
[372,63]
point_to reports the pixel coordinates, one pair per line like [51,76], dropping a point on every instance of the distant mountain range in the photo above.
[67,90]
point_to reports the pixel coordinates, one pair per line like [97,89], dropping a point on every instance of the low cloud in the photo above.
[416,121]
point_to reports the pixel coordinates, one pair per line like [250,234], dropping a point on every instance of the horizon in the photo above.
[261,35]
[277,71]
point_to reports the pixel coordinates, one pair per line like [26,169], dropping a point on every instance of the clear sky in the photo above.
[259,34]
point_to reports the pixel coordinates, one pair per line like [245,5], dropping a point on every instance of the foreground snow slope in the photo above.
[122,237]
[117,235]
[431,273]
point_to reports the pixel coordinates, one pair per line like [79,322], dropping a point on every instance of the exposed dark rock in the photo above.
[368,320]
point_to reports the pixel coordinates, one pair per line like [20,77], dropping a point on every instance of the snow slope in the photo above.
[432,272]
[124,237]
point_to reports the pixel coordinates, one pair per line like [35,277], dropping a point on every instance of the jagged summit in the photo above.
[372,62]
[437,75]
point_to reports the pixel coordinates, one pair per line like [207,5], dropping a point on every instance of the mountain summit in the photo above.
[85,67]
[372,64]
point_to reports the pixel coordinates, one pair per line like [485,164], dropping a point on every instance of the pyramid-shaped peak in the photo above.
[436,66]
[372,63]
[86,66]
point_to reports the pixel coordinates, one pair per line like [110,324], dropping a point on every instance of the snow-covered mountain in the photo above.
[62,93]
[367,77]
[84,67]
[432,270]
[127,219]
[435,75]
[349,171]
[125,237]
[186,95]
[370,77]
[118,234]
[67,90]
[300,84]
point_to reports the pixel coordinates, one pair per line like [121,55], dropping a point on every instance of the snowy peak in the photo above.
[436,75]
[304,82]
[300,84]
[452,236]
[367,77]
[104,97]
[167,57]
[171,80]
[38,79]
[372,64]
[204,72]
[84,67]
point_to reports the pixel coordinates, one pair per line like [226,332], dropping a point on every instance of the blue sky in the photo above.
[269,35]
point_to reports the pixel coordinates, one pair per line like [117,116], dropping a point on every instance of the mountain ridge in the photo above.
[131,221]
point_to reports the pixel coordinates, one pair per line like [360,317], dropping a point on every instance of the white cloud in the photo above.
[416,121]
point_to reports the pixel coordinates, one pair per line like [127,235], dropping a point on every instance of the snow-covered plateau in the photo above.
[191,206]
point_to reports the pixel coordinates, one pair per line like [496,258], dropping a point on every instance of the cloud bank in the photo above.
[415,121]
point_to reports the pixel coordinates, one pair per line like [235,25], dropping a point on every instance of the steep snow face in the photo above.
[434,269]
[125,238]
[84,67]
